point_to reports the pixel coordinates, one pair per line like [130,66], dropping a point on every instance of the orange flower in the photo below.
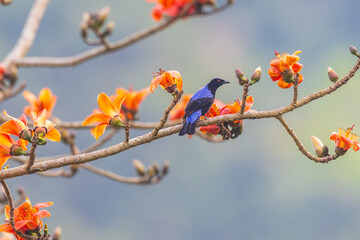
[109,113]
[132,102]
[172,8]
[9,147]
[169,81]
[46,100]
[2,71]
[229,108]
[178,111]
[17,127]
[214,111]
[44,127]
[284,67]
[27,218]
[344,140]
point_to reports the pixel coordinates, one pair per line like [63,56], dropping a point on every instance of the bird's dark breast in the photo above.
[202,103]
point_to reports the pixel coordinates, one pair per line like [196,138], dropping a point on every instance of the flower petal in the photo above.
[43,205]
[53,135]
[96,118]
[213,129]
[30,97]
[281,83]
[6,227]
[10,127]
[106,106]
[42,213]
[296,67]
[99,130]
[119,99]
[21,223]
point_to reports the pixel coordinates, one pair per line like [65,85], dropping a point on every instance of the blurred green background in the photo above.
[258,186]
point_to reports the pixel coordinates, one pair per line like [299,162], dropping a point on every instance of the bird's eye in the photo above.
[218,81]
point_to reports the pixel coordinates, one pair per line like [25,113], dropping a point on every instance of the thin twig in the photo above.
[296,89]
[215,10]
[301,146]
[244,96]
[31,154]
[163,120]
[9,93]
[113,176]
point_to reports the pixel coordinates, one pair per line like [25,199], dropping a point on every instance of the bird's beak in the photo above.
[225,82]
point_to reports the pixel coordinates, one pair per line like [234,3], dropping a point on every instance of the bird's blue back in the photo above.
[202,93]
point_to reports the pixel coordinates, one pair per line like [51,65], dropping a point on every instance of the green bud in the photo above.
[41,141]
[26,134]
[16,150]
[45,230]
[116,122]
[321,150]
[339,151]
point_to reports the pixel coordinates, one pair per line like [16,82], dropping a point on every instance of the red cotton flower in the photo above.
[108,114]
[284,67]
[229,108]
[171,81]
[46,100]
[16,127]
[132,102]
[27,218]
[344,140]
[172,8]
[9,147]
[178,111]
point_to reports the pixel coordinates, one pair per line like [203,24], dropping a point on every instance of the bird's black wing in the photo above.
[195,104]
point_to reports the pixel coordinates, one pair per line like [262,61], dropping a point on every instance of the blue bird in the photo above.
[199,104]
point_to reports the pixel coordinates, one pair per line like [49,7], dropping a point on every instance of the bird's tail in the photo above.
[190,123]
[188,128]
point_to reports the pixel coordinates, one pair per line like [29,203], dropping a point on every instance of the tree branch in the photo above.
[97,51]
[301,146]
[28,34]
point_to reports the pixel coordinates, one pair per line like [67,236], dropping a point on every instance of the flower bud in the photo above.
[40,131]
[151,171]
[16,150]
[239,74]
[84,30]
[333,76]
[103,13]
[45,230]
[255,77]
[165,168]
[109,29]
[156,168]
[86,18]
[57,233]
[321,150]
[354,51]
[139,167]
[116,122]
[288,75]
[26,134]
[340,151]
[41,141]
